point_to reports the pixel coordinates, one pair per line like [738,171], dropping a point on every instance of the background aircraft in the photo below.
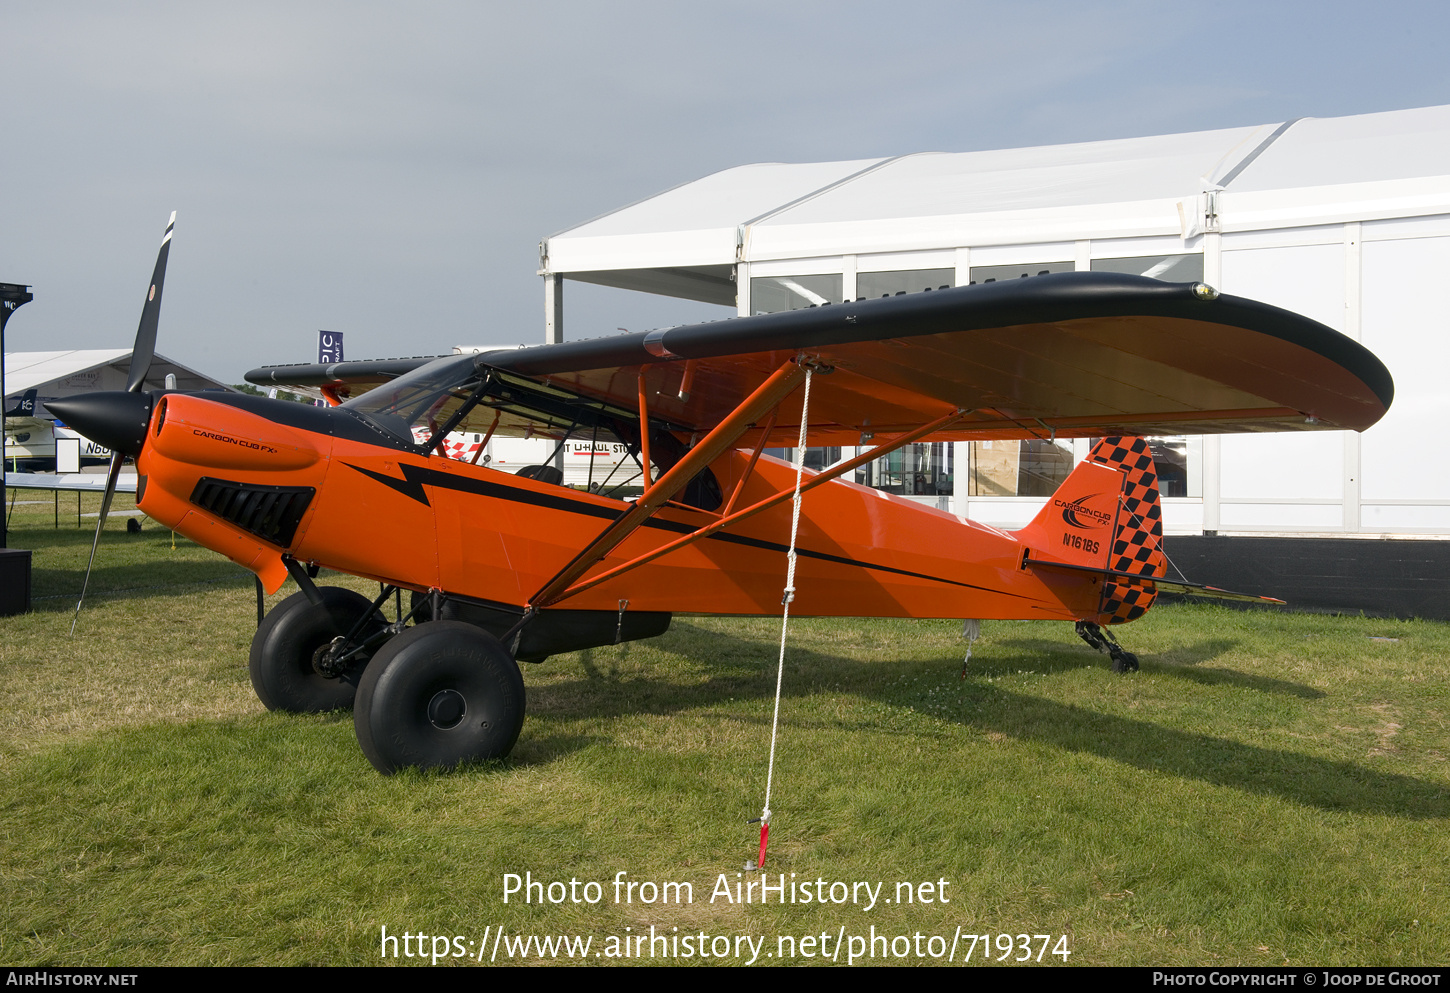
[30,440]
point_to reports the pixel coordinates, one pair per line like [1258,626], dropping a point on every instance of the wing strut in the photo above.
[839,469]
[712,446]
[750,466]
[643,433]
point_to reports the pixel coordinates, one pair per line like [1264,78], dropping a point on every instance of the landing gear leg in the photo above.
[293,659]
[1103,641]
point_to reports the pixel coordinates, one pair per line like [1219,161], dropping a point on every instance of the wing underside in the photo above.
[1067,355]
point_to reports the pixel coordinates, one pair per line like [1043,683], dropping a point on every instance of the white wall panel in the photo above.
[1007,513]
[1400,517]
[1308,279]
[890,261]
[1122,248]
[1279,517]
[1433,226]
[1318,234]
[1183,516]
[1282,466]
[1407,324]
[797,267]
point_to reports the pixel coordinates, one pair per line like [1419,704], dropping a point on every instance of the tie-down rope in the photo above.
[786,597]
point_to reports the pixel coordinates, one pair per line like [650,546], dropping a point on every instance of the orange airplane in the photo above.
[506,567]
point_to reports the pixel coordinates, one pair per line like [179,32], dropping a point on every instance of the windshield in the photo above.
[423,399]
[451,395]
[436,407]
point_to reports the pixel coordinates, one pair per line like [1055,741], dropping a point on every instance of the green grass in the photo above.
[1270,788]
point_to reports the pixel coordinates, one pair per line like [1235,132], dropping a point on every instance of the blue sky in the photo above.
[388,170]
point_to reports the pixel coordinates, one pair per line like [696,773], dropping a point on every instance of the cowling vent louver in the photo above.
[269,512]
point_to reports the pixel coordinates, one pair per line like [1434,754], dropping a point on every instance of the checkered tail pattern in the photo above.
[1138,540]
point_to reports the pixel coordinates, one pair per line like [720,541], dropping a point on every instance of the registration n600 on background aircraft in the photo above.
[507,567]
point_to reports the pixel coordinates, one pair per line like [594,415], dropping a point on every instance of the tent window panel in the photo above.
[993,273]
[1179,461]
[1017,468]
[870,285]
[923,469]
[1169,268]
[775,294]
[1038,467]
[816,458]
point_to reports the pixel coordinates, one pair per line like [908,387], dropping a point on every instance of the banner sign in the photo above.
[329,347]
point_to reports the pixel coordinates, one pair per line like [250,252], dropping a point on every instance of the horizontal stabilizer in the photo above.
[1163,585]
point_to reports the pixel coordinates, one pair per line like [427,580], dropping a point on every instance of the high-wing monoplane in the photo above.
[507,567]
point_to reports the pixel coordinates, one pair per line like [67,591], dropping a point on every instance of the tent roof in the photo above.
[47,372]
[30,370]
[1368,148]
[1284,174]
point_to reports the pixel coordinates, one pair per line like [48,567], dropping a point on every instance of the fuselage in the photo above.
[254,479]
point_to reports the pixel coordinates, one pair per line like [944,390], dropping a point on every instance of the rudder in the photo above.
[1107,516]
[1138,537]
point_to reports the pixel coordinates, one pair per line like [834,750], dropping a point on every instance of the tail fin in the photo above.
[24,407]
[1106,516]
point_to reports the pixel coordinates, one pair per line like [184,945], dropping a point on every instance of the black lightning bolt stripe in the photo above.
[406,486]
[415,476]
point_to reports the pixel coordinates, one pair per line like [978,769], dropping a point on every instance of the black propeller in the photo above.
[141,355]
[145,346]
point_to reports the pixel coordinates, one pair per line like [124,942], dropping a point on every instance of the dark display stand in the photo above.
[14,581]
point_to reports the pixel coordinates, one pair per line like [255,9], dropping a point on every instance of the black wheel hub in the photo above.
[446,709]
[439,695]
[325,660]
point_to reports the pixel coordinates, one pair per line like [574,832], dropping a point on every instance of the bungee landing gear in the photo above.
[297,661]
[1103,641]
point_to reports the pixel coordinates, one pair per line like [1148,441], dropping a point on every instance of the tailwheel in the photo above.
[1103,641]
[295,660]
[439,695]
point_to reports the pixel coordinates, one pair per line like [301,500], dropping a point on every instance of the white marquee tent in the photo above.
[66,372]
[63,373]
[1346,220]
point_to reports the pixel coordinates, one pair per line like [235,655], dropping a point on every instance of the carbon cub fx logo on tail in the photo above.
[1077,515]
